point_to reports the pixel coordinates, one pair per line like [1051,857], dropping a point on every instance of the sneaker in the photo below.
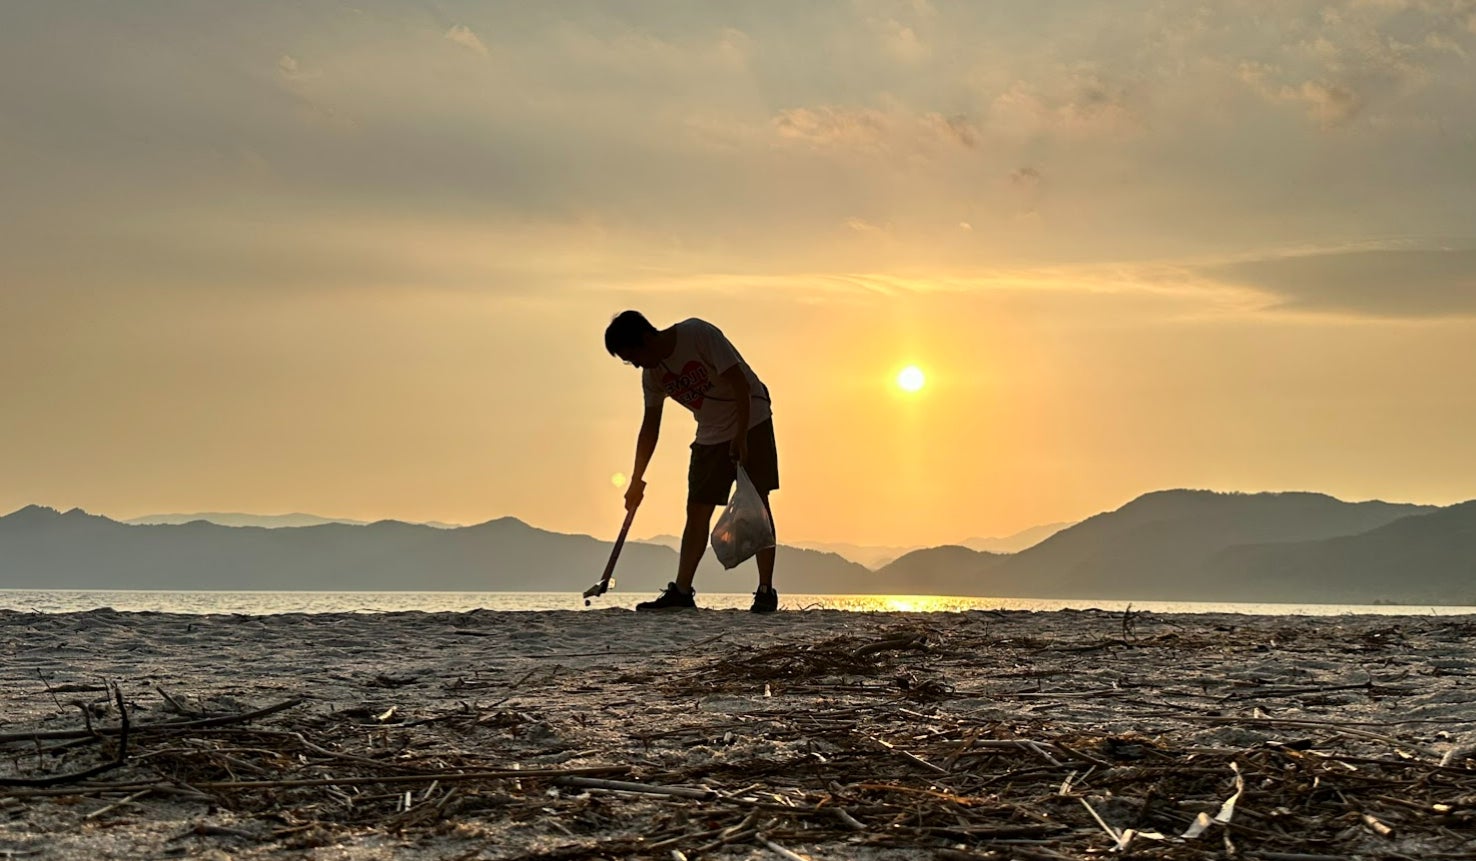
[671,598]
[765,601]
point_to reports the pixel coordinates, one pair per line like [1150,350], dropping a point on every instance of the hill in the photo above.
[1426,558]
[1022,540]
[43,548]
[947,570]
[1160,545]
[1188,545]
[273,521]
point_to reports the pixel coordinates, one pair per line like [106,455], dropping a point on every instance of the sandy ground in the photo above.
[689,699]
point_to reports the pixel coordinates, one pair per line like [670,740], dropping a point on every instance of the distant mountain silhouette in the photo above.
[664,540]
[271,521]
[869,556]
[43,548]
[878,556]
[873,556]
[1168,545]
[40,548]
[938,570]
[1022,540]
[1160,545]
[1427,558]
[1182,545]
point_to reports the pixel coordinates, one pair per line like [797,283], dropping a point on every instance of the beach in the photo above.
[722,734]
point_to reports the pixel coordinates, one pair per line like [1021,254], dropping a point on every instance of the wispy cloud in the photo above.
[1331,105]
[463,36]
[1374,283]
[1085,104]
[756,136]
[830,126]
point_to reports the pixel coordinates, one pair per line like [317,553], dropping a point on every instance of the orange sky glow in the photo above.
[358,262]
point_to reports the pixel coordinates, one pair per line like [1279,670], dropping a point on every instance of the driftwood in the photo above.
[863,745]
[118,759]
[168,726]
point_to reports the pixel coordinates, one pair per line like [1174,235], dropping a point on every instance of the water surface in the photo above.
[263,603]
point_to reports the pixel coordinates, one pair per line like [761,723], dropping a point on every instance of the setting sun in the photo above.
[911,379]
[618,479]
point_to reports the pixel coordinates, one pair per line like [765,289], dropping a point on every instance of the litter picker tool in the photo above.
[603,586]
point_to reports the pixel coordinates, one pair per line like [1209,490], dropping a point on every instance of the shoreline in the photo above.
[987,714]
[206,602]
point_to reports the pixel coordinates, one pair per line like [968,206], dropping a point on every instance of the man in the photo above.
[692,363]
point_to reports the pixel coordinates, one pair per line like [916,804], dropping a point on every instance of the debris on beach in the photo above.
[954,737]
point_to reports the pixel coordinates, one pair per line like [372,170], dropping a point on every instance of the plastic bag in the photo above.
[744,528]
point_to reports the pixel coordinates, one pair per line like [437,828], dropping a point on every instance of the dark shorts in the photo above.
[711,474]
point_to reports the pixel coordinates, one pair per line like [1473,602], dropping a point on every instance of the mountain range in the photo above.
[1190,545]
[1185,545]
[877,555]
[43,548]
[231,518]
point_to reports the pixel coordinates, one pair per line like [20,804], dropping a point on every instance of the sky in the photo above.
[357,260]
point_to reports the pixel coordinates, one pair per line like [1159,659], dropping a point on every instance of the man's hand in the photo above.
[738,449]
[634,494]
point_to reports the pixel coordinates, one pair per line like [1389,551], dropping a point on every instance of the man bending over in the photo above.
[692,363]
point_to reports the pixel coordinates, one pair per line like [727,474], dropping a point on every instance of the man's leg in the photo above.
[765,557]
[694,543]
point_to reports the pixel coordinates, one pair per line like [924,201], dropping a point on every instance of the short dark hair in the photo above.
[627,331]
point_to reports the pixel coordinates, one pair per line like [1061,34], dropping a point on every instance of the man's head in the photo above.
[631,337]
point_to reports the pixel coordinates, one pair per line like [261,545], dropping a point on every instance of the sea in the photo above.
[268,603]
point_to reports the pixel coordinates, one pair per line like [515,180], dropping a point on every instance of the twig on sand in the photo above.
[639,788]
[1341,728]
[118,759]
[109,808]
[779,850]
[346,780]
[445,777]
[904,641]
[851,822]
[910,757]
[222,720]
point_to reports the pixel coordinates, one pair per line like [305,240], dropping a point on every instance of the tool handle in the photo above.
[619,543]
[604,584]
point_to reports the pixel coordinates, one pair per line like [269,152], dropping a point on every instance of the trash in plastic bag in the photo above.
[744,528]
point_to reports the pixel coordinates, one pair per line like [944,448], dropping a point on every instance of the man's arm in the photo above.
[738,380]
[645,447]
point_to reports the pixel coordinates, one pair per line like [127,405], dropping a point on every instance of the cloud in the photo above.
[901,42]
[896,130]
[861,225]
[1085,105]
[1379,283]
[1331,105]
[1098,135]
[1025,177]
[833,127]
[957,128]
[1346,59]
[623,52]
[1026,190]
[463,36]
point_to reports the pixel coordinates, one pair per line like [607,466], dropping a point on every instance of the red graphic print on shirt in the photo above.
[688,387]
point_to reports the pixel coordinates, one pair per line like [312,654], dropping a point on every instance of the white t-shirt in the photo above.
[691,376]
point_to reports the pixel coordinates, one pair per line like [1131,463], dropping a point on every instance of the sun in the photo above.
[618,479]
[911,379]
